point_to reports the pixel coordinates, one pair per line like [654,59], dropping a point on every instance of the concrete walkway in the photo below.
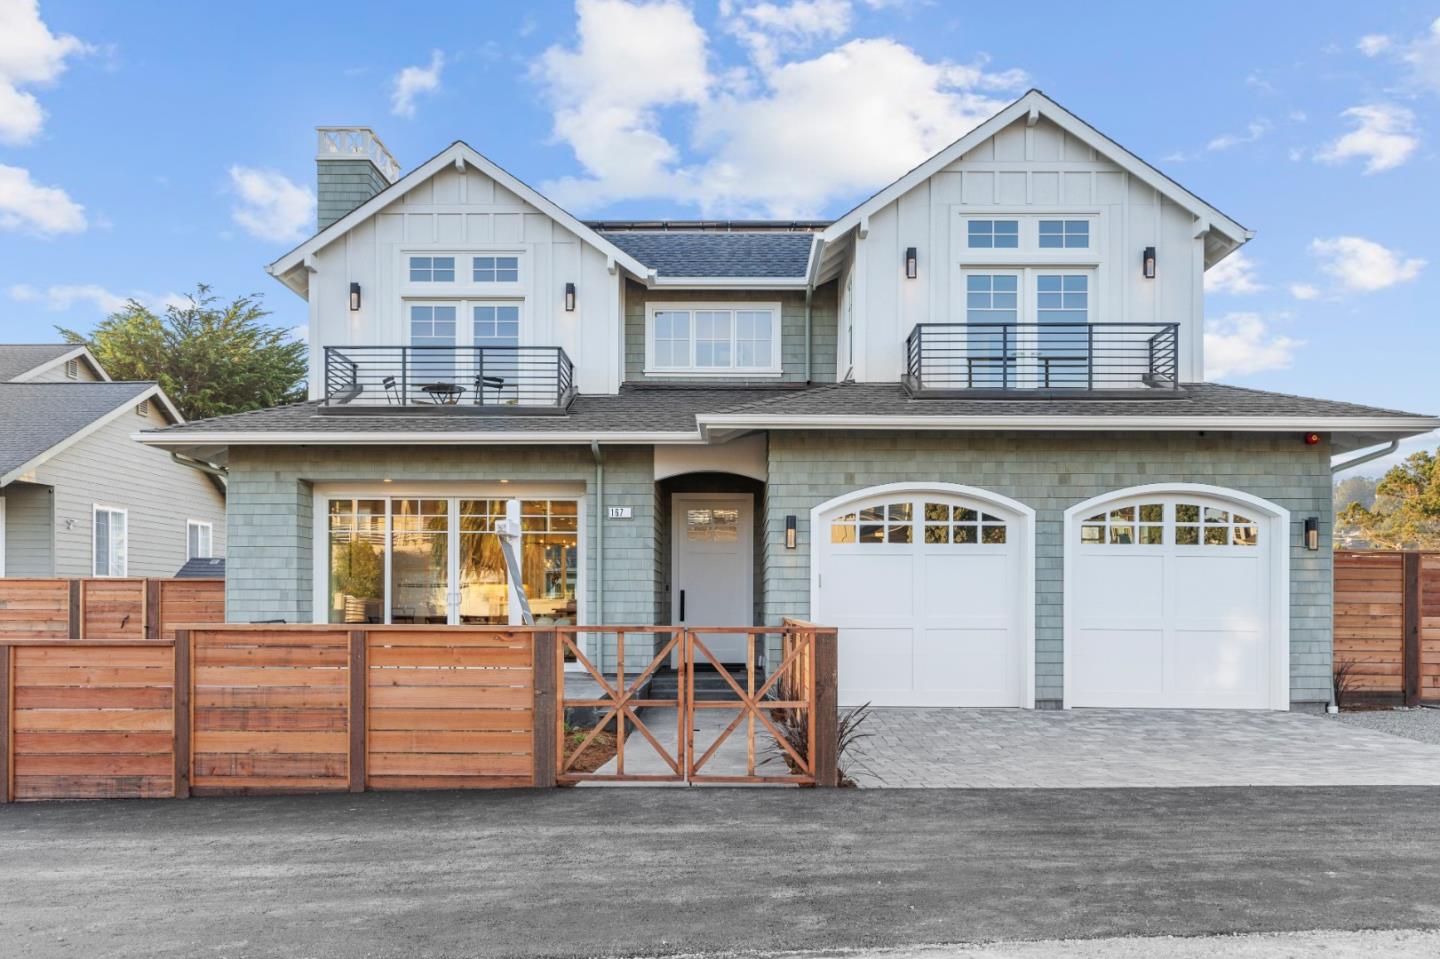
[1119,748]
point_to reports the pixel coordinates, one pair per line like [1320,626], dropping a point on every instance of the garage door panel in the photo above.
[968,586]
[973,660]
[876,587]
[1121,588]
[1222,587]
[1227,662]
[1109,665]
[881,659]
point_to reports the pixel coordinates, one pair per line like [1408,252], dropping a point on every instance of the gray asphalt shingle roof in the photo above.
[669,253]
[36,416]
[673,410]
[17,358]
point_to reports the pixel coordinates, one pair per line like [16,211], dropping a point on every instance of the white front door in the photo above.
[930,592]
[1171,604]
[712,576]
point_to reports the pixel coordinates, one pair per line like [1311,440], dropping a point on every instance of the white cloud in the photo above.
[1239,344]
[1422,56]
[1235,274]
[1384,136]
[411,82]
[768,29]
[271,206]
[30,56]
[774,137]
[1304,291]
[62,297]
[1253,131]
[28,206]
[1374,44]
[1364,265]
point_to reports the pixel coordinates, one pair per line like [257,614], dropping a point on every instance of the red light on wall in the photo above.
[1312,439]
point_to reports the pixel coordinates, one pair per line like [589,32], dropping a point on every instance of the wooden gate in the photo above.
[782,696]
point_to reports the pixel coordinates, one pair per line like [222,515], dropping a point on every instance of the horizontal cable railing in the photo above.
[945,357]
[456,378]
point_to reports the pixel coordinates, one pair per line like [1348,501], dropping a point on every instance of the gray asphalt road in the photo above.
[636,871]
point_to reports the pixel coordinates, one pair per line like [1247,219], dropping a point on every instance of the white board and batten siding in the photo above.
[464,212]
[1025,171]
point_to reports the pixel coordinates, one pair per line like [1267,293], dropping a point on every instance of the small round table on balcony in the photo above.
[443,394]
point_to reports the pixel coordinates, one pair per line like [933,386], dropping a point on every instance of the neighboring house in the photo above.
[78,497]
[966,423]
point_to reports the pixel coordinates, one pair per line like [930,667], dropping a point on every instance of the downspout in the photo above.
[809,292]
[1375,454]
[207,468]
[599,532]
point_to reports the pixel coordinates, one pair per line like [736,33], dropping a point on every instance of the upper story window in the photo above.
[994,234]
[1064,234]
[198,539]
[495,269]
[712,338]
[432,269]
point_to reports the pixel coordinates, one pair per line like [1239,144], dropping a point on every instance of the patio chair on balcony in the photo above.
[392,391]
[485,382]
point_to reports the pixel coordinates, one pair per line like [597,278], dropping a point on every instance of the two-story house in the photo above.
[966,422]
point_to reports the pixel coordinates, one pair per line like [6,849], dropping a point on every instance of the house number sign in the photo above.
[619,512]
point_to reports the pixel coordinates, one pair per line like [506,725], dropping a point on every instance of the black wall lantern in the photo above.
[354,297]
[912,263]
[1147,263]
[789,532]
[569,297]
[1312,533]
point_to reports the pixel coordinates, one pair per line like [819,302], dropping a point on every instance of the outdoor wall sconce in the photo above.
[1312,533]
[789,532]
[354,297]
[912,263]
[1147,263]
[569,297]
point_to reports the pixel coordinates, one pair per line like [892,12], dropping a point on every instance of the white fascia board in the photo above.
[369,438]
[1264,424]
[35,462]
[79,352]
[728,282]
[1034,100]
[457,151]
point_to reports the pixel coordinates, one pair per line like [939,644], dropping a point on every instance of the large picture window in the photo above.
[712,338]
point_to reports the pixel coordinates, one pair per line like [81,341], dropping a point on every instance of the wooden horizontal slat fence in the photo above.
[1387,624]
[105,608]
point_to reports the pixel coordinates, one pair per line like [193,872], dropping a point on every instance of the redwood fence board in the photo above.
[107,608]
[1387,623]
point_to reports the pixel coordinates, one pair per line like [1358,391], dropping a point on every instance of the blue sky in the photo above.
[145,147]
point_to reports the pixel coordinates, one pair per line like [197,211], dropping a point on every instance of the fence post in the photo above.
[7,716]
[827,715]
[359,718]
[76,623]
[546,710]
[152,609]
[1410,627]
[181,698]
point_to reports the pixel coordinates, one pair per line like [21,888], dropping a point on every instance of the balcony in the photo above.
[1050,359]
[464,380]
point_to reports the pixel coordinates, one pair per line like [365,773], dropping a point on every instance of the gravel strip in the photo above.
[1421,724]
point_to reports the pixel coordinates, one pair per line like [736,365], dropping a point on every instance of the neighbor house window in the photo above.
[994,234]
[713,338]
[110,547]
[432,269]
[198,539]
[495,269]
[1064,234]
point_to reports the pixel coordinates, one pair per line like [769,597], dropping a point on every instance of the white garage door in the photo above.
[930,593]
[1169,604]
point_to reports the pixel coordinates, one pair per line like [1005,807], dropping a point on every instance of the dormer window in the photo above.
[994,234]
[1064,234]
[432,269]
[712,339]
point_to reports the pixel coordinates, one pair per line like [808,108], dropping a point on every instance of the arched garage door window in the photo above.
[1177,597]
[932,588]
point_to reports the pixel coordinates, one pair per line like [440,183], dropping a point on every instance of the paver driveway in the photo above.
[1084,748]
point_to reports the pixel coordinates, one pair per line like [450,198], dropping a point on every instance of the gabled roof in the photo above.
[460,155]
[678,254]
[25,361]
[39,420]
[1031,106]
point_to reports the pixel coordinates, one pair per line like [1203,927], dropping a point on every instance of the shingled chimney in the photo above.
[351,166]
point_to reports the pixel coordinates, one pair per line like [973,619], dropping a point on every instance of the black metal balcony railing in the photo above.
[1045,357]
[448,379]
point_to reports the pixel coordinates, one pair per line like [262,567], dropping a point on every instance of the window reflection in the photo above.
[419,561]
[357,560]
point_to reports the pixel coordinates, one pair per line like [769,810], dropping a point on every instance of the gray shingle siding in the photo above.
[343,185]
[1051,472]
[823,320]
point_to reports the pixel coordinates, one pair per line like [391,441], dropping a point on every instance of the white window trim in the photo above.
[320,529]
[772,370]
[464,314]
[464,285]
[1029,253]
[95,510]
[209,529]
